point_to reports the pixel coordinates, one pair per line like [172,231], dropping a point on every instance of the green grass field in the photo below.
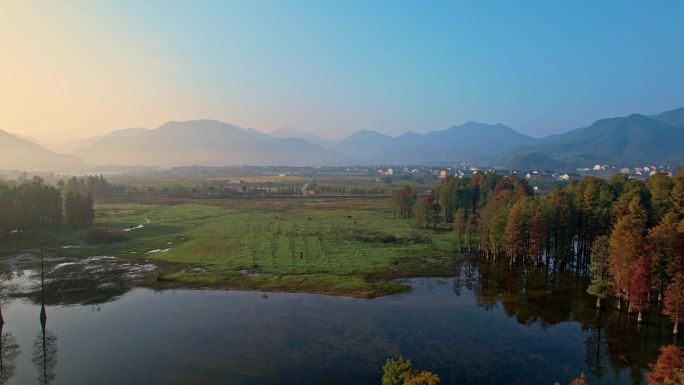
[343,246]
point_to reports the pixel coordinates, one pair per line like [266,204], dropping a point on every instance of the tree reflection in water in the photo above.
[45,343]
[45,355]
[9,350]
[537,294]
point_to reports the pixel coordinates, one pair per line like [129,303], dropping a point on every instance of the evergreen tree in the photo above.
[600,281]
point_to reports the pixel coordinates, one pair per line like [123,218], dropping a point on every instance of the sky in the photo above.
[75,69]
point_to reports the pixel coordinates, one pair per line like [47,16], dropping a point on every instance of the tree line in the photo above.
[94,185]
[626,234]
[34,205]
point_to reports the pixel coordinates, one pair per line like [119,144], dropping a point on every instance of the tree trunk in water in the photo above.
[675,331]
[598,302]
[619,304]
[640,319]
[460,242]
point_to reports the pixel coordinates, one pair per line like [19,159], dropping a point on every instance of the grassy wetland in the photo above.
[352,247]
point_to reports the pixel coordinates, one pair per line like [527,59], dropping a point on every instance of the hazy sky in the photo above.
[79,68]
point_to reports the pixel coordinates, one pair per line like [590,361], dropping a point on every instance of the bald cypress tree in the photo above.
[599,267]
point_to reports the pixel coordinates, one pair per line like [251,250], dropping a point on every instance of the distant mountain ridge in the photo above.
[466,142]
[288,132]
[206,143]
[25,155]
[673,117]
[622,141]
[471,141]
[629,141]
[73,145]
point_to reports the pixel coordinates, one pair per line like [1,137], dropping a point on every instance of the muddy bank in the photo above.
[70,280]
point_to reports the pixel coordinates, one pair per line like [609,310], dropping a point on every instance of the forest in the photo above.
[33,204]
[627,235]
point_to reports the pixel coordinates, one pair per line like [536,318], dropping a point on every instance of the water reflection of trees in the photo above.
[538,295]
[5,288]
[81,290]
[45,355]
[9,350]
[45,343]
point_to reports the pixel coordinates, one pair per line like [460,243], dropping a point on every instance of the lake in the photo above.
[487,324]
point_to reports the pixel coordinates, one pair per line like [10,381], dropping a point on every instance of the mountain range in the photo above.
[630,140]
[17,153]
[205,143]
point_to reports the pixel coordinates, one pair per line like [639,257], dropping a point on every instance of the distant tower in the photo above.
[446,162]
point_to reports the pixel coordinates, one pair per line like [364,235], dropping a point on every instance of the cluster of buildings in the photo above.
[606,170]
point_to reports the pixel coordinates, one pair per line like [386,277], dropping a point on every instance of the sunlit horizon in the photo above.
[80,69]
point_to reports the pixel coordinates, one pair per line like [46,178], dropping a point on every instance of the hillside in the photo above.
[673,118]
[622,141]
[288,132]
[73,145]
[24,155]
[207,143]
[630,140]
[469,142]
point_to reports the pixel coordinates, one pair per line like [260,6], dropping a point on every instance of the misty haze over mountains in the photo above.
[630,140]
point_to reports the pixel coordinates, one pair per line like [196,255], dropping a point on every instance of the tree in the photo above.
[626,246]
[402,201]
[665,244]
[538,232]
[660,186]
[79,209]
[72,185]
[423,378]
[582,380]
[471,228]
[673,305]
[515,233]
[678,193]
[397,372]
[459,227]
[639,286]
[669,368]
[593,199]
[599,267]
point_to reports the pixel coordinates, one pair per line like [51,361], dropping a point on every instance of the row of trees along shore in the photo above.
[626,234]
[33,205]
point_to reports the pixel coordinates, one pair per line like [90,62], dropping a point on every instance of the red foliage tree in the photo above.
[626,246]
[669,368]
[538,229]
[515,227]
[639,286]
[423,378]
[673,305]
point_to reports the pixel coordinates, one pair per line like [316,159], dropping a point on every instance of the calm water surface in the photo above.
[486,325]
